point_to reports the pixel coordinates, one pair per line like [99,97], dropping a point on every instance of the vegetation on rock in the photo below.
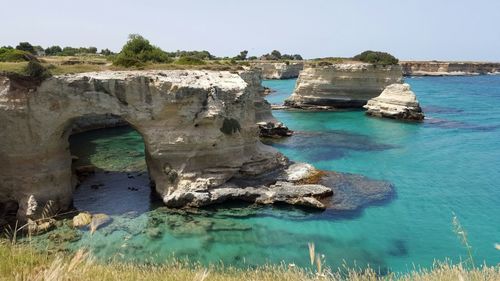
[276,55]
[36,70]
[138,51]
[9,54]
[189,60]
[374,57]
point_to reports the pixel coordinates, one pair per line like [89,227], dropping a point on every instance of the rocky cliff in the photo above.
[397,101]
[436,68]
[341,85]
[199,130]
[279,70]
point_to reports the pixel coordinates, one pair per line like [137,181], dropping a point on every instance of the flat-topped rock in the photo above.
[279,70]
[397,101]
[341,85]
[448,68]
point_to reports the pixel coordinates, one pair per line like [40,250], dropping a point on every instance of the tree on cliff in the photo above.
[53,51]
[26,46]
[376,58]
[138,51]
[242,55]
[276,55]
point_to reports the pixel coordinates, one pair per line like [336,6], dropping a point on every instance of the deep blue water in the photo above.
[449,163]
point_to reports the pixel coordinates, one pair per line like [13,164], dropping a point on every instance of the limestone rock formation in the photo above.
[268,125]
[341,85]
[199,130]
[82,219]
[397,101]
[438,68]
[273,130]
[279,70]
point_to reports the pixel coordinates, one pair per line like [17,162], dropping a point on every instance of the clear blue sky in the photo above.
[410,29]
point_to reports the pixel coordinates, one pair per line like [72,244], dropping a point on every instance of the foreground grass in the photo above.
[21,262]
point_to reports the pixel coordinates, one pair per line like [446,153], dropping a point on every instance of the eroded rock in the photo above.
[397,101]
[341,85]
[82,219]
[279,70]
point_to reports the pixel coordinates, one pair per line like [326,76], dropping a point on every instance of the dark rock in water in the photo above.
[273,130]
[327,145]
[351,192]
[398,248]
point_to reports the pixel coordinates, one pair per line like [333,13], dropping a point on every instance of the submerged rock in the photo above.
[99,220]
[397,101]
[352,192]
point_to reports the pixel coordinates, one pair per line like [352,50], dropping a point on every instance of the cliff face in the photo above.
[199,130]
[279,70]
[343,85]
[434,68]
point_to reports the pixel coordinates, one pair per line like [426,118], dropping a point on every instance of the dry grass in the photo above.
[21,262]
[16,67]
[314,178]
[59,65]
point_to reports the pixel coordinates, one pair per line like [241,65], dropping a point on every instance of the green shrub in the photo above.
[14,55]
[26,46]
[376,58]
[187,60]
[230,126]
[36,70]
[138,51]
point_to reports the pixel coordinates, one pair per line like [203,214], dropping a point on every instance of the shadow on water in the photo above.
[318,146]
[121,183]
[453,124]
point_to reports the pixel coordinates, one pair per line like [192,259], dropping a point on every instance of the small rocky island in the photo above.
[397,101]
[341,85]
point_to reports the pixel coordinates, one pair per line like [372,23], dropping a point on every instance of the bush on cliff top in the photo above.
[36,70]
[14,55]
[189,60]
[138,51]
[377,58]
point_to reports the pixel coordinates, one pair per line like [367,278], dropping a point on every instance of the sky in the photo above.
[408,29]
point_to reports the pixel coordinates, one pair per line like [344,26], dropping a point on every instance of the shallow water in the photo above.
[450,163]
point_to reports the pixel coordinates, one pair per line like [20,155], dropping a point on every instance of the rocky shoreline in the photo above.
[200,130]
[442,68]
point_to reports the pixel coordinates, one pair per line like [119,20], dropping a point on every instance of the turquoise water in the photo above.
[450,163]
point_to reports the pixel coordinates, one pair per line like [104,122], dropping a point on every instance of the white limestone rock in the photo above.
[397,101]
[341,85]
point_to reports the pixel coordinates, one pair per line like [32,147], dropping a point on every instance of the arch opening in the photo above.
[108,165]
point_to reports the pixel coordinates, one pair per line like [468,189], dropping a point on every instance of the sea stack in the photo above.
[397,101]
[341,85]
